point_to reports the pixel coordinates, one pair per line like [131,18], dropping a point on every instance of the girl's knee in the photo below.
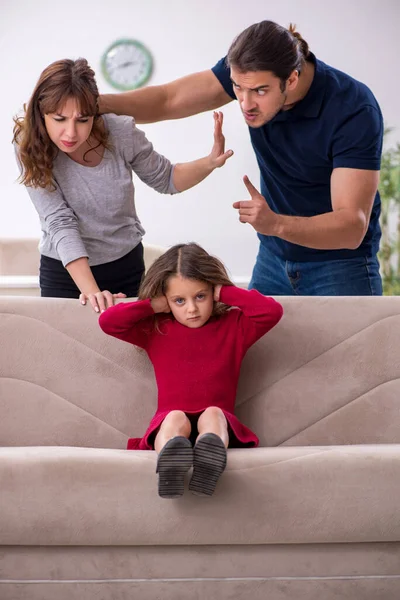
[213,413]
[176,417]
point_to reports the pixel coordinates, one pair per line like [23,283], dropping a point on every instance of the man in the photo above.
[317,135]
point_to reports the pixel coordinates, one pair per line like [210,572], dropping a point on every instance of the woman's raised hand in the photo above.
[218,156]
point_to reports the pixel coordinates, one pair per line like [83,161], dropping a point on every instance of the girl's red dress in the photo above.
[196,368]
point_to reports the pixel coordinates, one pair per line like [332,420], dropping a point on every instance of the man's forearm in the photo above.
[145,106]
[178,99]
[330,231]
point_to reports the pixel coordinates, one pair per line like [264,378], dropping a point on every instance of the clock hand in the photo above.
[126,64]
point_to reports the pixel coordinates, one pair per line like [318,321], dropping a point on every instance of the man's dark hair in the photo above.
[267,46]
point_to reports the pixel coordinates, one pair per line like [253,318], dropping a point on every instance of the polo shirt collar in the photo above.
[310,106]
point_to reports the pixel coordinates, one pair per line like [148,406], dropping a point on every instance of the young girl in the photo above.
[77,168]
[196,344]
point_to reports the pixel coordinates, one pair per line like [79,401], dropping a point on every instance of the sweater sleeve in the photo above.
[128,321]
[151,167]
[60,222]
[58,218]
[258,313]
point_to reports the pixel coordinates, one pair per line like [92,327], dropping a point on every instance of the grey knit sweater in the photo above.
[92,211]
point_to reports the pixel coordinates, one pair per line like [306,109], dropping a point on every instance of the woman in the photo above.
[77,167]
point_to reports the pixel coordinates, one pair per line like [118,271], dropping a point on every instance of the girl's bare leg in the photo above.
[209,456]
[213,420]
[175,454]
[175,424]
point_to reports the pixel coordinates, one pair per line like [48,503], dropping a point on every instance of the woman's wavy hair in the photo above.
[187,260]
[60,81]
[267,46]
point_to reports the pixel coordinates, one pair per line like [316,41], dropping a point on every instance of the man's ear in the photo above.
[292,81]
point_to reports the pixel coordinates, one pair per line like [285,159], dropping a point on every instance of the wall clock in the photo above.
[127,64]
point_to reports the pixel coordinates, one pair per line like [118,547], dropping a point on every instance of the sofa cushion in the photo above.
[84,496]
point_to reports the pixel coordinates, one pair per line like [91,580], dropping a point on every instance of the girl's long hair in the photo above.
[187,260]
[60,81]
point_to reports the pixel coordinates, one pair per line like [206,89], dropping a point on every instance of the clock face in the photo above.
[127,64]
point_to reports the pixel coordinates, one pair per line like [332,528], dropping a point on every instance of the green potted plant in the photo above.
[389,188]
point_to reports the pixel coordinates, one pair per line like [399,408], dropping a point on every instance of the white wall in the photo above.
[184,36]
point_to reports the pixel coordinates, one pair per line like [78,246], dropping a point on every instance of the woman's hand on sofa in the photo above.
[100,301]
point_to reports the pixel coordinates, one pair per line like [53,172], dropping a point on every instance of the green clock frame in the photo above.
[143,50]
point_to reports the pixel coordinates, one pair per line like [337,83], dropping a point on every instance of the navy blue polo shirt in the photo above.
[337,124]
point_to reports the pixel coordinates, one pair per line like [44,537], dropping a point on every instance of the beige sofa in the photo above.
[19,256]
[312,514]
[19,265]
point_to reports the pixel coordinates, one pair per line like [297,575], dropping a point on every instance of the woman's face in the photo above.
[67,128]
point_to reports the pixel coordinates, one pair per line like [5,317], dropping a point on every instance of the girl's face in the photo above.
[67,128]
[191,301]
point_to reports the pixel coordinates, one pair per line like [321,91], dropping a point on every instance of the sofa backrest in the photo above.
[19,256]
[329,373]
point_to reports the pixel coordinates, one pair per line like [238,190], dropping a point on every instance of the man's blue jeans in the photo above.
[273,276]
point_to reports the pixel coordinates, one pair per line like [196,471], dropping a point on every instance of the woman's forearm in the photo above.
[187,175]
[82,275]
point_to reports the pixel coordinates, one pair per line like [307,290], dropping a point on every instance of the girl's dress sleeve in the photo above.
[128,321]
[258,314]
